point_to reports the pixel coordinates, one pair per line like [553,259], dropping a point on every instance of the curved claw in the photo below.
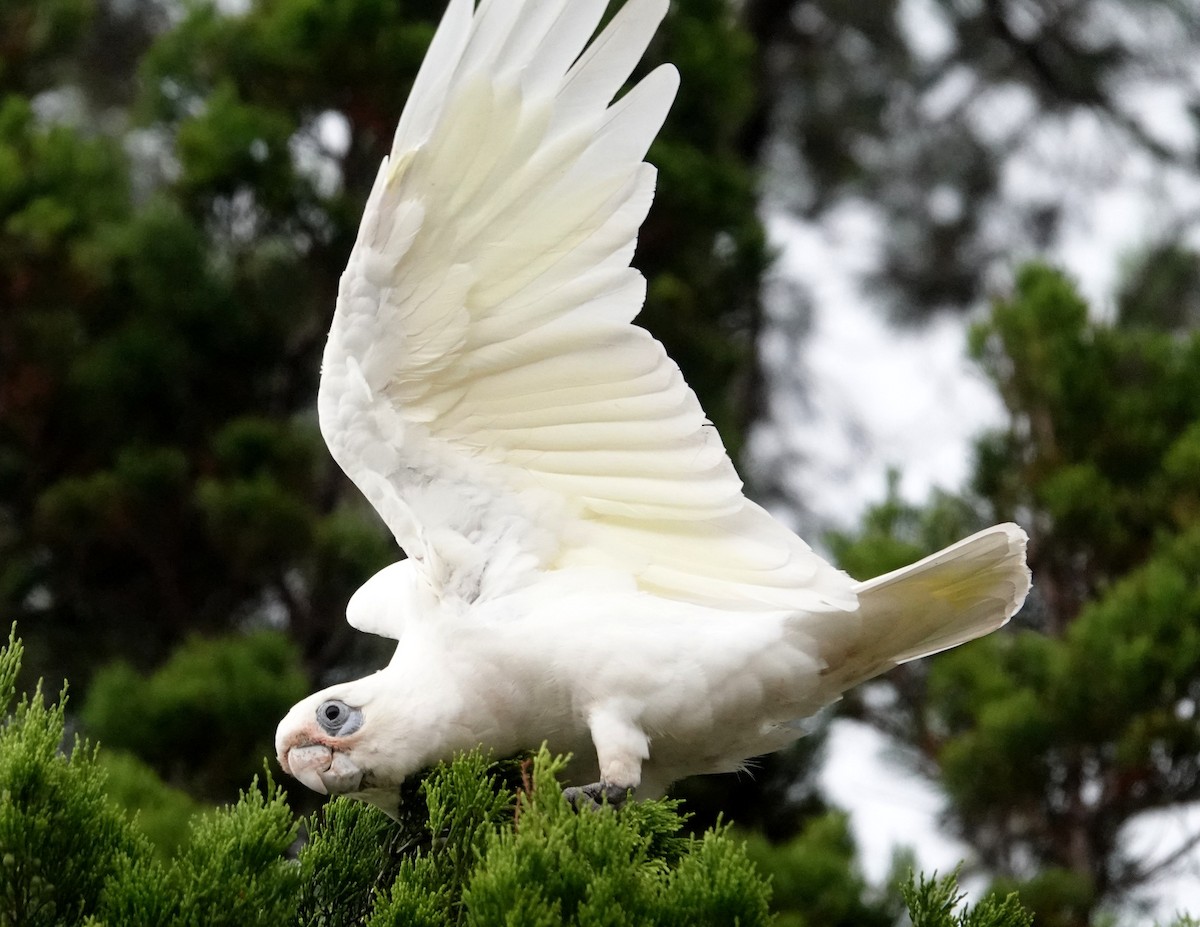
[597,795]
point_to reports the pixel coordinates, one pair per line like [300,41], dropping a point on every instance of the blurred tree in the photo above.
[205,719]
[932,147]
[1053,736]
[162,812]
[970,131]
[1161,288]
[815,879]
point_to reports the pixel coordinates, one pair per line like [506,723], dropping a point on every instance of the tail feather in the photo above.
[965,591]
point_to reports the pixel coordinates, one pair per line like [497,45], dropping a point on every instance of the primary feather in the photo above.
[542,462]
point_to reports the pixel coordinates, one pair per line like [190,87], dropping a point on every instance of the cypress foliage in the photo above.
[935,902]
[61,840]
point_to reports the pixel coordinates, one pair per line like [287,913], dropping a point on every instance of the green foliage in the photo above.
[559,866]
[1056,897]
[935,902]
[159,811]
[465,803]
[1102,493]
[1160,288]
[232,144]
[814,878]
[188,719]
[703,248]
[68,854]
[234,870]
[133,362]
[540,862]
[57,186]
[61,840]
[1105,703]
[895,533]
[352,853]
[35,33]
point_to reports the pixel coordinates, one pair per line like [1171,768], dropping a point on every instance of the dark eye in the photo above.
[338,718]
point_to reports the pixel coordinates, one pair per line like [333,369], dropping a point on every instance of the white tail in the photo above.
[958,594]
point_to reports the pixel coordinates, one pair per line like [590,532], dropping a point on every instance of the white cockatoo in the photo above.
[583,568]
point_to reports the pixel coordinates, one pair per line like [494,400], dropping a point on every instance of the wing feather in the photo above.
[433,78]
[595,78]
[482,383]
[562,44]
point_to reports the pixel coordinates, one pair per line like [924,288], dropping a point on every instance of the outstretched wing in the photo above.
[482,383]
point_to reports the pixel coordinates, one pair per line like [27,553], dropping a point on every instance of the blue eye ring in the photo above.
[337,719]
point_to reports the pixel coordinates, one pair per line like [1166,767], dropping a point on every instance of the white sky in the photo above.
[876,396]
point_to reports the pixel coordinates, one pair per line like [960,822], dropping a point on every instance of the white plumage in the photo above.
[583,566]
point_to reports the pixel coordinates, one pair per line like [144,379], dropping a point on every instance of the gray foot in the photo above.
[596,795]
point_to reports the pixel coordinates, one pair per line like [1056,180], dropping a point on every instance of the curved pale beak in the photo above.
[322,769]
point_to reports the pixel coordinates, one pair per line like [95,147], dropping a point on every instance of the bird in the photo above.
[583,568]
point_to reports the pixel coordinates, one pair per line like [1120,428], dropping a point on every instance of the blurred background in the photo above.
[929,264]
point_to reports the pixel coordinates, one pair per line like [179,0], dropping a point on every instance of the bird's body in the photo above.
[583,568]
[508,677]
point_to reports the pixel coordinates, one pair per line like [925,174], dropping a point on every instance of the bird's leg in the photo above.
[621,748]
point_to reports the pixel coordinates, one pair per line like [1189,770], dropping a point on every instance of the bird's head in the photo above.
[316,741]
[347,740]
